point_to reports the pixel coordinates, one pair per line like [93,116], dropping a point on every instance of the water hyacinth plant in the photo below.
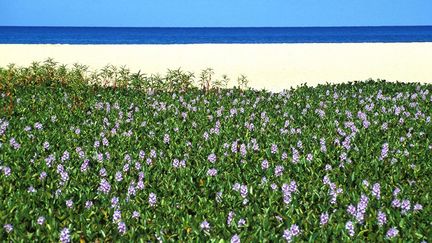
[157,158]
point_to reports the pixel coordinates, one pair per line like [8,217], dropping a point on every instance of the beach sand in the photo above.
[271,66]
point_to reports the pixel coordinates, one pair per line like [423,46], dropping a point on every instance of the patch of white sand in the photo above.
[270,66]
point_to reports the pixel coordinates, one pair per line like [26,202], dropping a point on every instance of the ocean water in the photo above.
[111,35]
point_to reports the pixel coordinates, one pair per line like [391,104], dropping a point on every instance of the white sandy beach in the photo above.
[270,66]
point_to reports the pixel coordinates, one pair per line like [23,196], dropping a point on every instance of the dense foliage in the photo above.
[333,162]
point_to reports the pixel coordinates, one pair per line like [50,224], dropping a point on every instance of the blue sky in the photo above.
[222,13]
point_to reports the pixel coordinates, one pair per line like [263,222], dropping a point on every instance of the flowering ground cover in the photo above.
[349,162]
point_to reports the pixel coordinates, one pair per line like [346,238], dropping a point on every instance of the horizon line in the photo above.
[335,26]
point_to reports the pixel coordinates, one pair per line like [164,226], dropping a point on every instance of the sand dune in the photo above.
[270,66]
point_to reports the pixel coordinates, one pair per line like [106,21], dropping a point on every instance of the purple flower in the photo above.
[382,218]
[6,171]
[14,144]
[38,126]
[183,163]
[88,204]
[140,185]
[323,145]
[65,156]
[3,126]
[8,228]
[287,235]
[64,235]
[135,214]
[274,149]
[279,170]
[166,138]
[392,232]
[137,165]
[219,196]
[243,150]
[346,143]
[105,142]
[212,172]
[236,186]
[350,227]
[264,164]
[231,215]
[235,239]
[376,190]
[320,112]
[99,157]
[205,225]
[31,189]
[60,168]
[241,222]
[396,191]
[324,218]
[287,198]
[243,191]
[118,176]
[41,220]
[290,233]
[141,154]
[206,136]
[292,186]
[69,203]
[84,165]
[103,172]
[326,180]
[405,205]
[42,175]
[362,205]
[80,153]
[114,202]
[49,160]
[121,228]
[152,199]
[176,163]
[299,144]
[384,151]
[46,145]
[418,207]
[396,203]
[295,230]
[234,147]
[104,186]
[116,216]
[126,167]
[296,156]
[212,158]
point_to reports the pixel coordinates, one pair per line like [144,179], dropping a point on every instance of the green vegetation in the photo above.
[179,158]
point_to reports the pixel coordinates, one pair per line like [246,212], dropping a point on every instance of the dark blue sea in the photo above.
[111,35]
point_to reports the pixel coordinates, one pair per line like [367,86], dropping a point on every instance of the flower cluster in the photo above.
[139,163]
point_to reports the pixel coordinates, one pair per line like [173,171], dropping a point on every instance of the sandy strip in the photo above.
[270,66]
